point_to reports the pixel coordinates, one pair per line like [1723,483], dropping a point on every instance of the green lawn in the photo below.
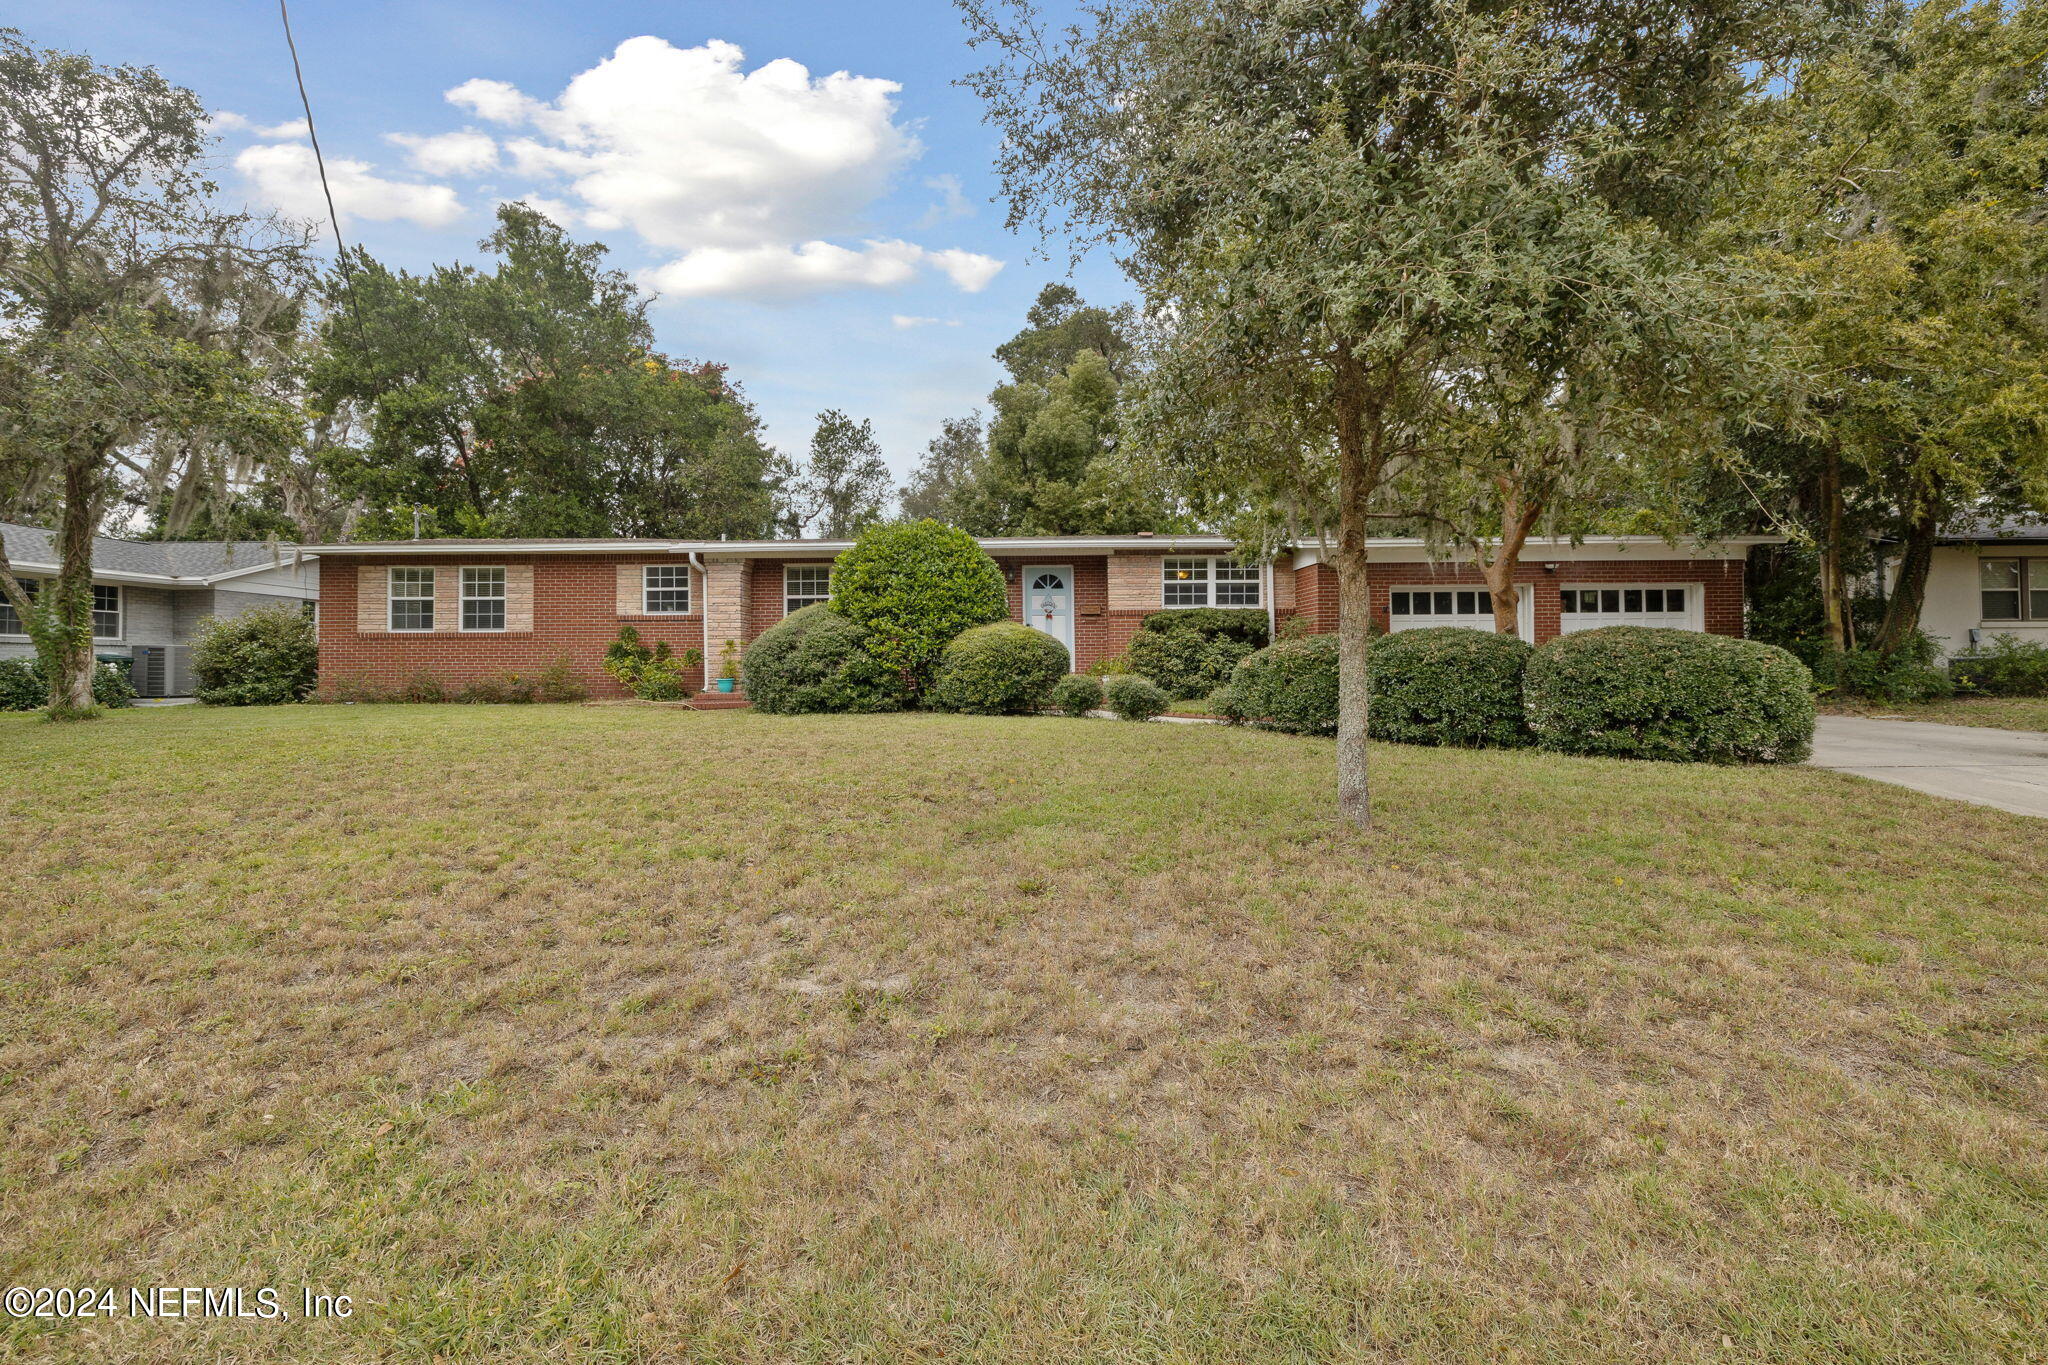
[2003,713]
[615,1034]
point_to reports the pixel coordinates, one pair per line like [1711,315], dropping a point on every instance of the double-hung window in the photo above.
[1208,580]
[412,599]
[483,599]
[805,585]
[2013,589]
[10,619]
[106,611]
[665,589]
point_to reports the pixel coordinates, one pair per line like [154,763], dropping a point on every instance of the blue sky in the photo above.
[830,239]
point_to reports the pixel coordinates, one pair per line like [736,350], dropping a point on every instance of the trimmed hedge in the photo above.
[1448,685]
[913,586]
[1077,694]
[261,657]
[814,659]
[1245,624]
[25,687]
[998,670]
[1185,663]
[1646,692]
[1133,698]
[1289,686]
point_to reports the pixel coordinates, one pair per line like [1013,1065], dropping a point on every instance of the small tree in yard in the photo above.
[1326,204]
[913,586]
[119,282]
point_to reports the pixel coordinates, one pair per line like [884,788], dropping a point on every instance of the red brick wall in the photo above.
[1315,597]
[575,615]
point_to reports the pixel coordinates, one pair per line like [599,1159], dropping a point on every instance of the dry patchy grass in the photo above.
[2000,713]
[589,1034]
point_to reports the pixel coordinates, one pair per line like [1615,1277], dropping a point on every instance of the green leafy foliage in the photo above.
[1248,624]
[2007,667]
[1191,652]
[1133,698]
[24,686]
[1450,686]
[912,587]
[1642,692]
[1077,694]
[654,674]
[815,659]
[1290,686]
[1002,669]
[263,657]
[1908,673]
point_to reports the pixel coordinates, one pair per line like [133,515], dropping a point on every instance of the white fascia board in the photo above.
[1559,548]
[139,580]
[475,548]
[1010,545]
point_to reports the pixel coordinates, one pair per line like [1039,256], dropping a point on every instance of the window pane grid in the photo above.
[1187,582]
[412,599]
[665,589]
[10,619]
[483,599]
[1622,601]
[1445,602]
[106,611]
[805,585]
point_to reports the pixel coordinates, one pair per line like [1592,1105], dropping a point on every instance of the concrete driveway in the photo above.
[2003,768]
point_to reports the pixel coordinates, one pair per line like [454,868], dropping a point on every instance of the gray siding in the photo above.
[148,616]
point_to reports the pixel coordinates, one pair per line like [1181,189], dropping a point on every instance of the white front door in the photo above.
[1049,602]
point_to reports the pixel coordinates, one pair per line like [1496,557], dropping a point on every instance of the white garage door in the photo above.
[1586,607]
[1414,608]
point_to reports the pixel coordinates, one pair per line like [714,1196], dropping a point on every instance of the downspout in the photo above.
[703,622]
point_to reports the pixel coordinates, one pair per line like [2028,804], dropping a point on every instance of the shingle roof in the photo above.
[2009,528]
[155,558]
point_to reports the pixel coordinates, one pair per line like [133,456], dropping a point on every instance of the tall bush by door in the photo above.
[814,659]
[912,587]
[1450,686]
[1001,669]
[1645,692]
[262,657]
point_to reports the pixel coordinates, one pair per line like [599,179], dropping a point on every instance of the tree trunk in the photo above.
[65,641]
[1909,590]
[1516,520]
[1354,612]
[1834,584]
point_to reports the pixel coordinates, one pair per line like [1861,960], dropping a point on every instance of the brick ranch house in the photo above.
[468,609]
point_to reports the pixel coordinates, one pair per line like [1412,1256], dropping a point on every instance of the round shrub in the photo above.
[814,659]
[1448,685]
[998,670]
[1133,698]
[261,657]
[912,587]
[1291,686]
[1644,692]
[25,687]
[1186,663]
[1077,694]
[1247,625]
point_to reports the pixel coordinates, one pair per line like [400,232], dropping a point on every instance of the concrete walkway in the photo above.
[2003,768]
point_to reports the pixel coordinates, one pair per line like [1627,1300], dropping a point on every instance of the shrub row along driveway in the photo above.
[571,1034]
[2006,769]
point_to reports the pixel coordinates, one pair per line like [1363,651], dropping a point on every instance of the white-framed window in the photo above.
[106,611]
[665,589]
[1404,605]
[2013,589]
[1208,580]
[483,599]
[1587,606]
[805,585]
[10,619]
[412,599]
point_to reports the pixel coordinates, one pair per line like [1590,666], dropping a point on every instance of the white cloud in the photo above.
[227,121]
[562,214]
[782,272]
[951,204]
[285,176]
[903,322]
[745,175]
[465,153]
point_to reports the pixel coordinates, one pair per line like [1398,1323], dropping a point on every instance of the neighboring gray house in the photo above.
[149,595]
[1988,579]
